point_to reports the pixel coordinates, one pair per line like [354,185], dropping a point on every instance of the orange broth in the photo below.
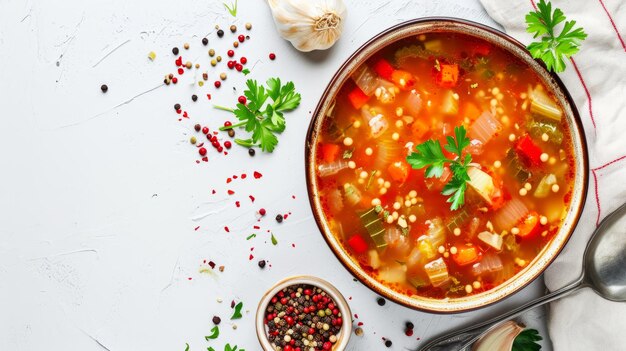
[395,222]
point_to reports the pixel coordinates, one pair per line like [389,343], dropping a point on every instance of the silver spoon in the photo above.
[604,271]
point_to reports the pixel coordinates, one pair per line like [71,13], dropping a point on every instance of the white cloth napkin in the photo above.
[596,79]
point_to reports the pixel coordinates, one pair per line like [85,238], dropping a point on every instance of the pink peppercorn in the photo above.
[228,144]
[242,99]
[241,38]
[202,151]
[205,130]
[231,64]
[262,213]
[272,56]
[238,67]
[231,53]
[217,84]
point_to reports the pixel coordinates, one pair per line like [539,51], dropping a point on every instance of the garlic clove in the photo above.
[309,24]
[500,338]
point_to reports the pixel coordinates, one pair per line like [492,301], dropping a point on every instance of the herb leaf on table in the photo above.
[527,341]
[264,122]
[237,314]
[553,48]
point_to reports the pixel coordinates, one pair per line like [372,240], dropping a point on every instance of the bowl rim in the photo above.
[329,288]
[551,80]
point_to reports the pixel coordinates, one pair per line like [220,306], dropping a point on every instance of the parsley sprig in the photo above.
[232,9]
[430,155]
[527,341]
[553,48]
[264,120]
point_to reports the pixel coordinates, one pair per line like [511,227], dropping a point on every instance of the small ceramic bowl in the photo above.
[340,301]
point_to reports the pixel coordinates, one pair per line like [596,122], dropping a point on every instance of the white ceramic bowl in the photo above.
[340,301]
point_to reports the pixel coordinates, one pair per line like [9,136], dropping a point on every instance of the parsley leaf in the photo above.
[237,314]
[264,122]
[527,341]
[215,332]
[430,155]
[232,9]
[552,48]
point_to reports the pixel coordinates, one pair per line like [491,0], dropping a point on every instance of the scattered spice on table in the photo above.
[104,88]
[408,330]
[301,316]
[381,301]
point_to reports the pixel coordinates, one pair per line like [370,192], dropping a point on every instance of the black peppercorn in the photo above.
[231,133]
[233,28]
[381,301]
[409,325]
[197,127]
[279,218]
[205,41]
[175,50]
[251,152]
[194,97]
[220,33]
[104,88]
[216,320]
[388,343]
[176,107]
[262,264]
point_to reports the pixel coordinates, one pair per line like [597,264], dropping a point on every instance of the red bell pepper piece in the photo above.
[528,151]
[358,244]
[358,98]
[384,69]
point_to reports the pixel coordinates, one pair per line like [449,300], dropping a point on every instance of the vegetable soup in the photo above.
[444,166]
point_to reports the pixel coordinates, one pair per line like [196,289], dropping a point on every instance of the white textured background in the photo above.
[100,194]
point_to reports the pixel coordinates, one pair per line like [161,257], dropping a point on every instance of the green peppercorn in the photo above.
[212,52]
[193,140]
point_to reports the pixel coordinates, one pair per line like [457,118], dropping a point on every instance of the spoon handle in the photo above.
[462,338]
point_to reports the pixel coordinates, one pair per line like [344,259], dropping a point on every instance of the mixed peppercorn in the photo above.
[303,318]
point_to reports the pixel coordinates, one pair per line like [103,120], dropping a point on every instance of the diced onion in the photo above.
[485,128]
[366,79]
[489,264]
[327,169]
[491,239]
[510,214]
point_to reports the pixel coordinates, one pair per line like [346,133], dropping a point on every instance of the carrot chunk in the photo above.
[358,244]
[466,255]
[330,152]
[358,98]
[529,225]
[399,171]
[448,75]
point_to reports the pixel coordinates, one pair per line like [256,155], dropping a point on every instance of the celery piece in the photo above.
[437,272]
[374,226]
[545,185]
[457,221]
[544,105]
[516,168]
[537,128]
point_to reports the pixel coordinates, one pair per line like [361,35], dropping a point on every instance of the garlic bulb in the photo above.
[309,24]
[500,338]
